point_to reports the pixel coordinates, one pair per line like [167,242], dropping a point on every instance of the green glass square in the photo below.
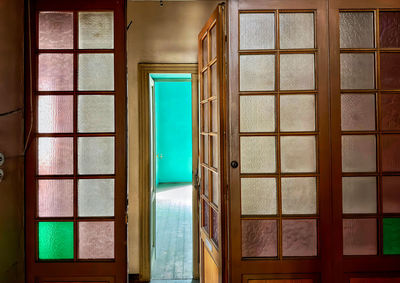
[391,236]
[56,240]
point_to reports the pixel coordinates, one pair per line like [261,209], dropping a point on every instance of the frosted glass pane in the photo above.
[205,174]
[56,72]
[96,240]
[299,237]
[96,197]
[96,30]
[358,112]
[56,198]
[391,236]
[205,51]
[205,149]
[215,226]
[55,114]
[296,30]
[55,156]
[357,70]
[215,153]
[259,238]
[213,38]
[257,72]
[358,153]
[257,113]
[95,113]
[206,90]
[299,195]
[205,117]
[257,155]
[215,188]
[96,72]
[56,240]
[357,30]
[214,116]
[297,113]
[214,80]
[298,154]
[390,153]
[391,194]
[258,196]
[96,155]
[55,30]
[359,194]
[359,237]
[257,31]
[297,72]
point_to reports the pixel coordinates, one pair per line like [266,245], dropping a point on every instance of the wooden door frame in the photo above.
[144,155]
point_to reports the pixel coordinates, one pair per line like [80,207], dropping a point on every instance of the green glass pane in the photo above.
[56,240]
[391,236]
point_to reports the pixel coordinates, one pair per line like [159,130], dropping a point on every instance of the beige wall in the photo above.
[157,35]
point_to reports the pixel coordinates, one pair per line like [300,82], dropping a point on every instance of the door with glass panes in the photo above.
[76,160]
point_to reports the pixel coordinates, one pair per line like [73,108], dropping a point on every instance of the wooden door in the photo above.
[211,69]
[76,161]
[279,194]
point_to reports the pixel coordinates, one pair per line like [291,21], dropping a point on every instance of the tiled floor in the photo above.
[174,245]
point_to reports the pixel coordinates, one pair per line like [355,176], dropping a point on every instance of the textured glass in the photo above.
[390,104]
[359,194]
[391,153]
[299,237]
[56,198]
[358,153]
[214,116]
[56,240]
[55,114]
[55,156]
[389,23]
[215,226]
[297,72]
[206,149]
[391,236]
[257,155]
[390,72]
[391,194]
[96,197]
[297,113]
[96,155]
[257,113]
[206,223]
[296,30]
[96,72]
[96,240]
[259,238]
[206,182]
[357,70]
[55,30]
[96,30]
[357,30]
[214,80]
[258,196]
[257,31]
[299,195]
[213,37]
[214,141]
[205,85]
[257,72]
[358,112]
[56,72]
[95,113]
[298,154]
[359,237]
[215,188]
[206,117]
[205,51]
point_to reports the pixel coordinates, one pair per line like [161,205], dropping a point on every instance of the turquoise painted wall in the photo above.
[173,130]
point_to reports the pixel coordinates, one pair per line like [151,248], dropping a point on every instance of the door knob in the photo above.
[234,164]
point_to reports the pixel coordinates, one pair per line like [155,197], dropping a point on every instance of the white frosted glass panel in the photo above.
[297,72]
[358,153]
[257,31]
[55,114]
[96,155]
[55,156]
[96,30]
[297,113]
[257,72]
[257,155]
[96,197]
[299,195]
[257,113]
[95,113]
[357,30]
[359,194]
[258,196]
[298,154]
[96,72]
[357,70]
[296,30]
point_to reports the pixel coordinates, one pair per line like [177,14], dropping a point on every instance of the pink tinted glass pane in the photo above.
[389,29]
[299,237]
[56,198]
[55,114]
[55,30]
[55,72]
[96,240]
[55,156]
[259,238]
[390,112]
[391,194]
[359,237]
[390,153]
